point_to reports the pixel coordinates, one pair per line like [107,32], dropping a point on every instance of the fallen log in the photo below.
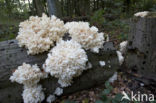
[12,56]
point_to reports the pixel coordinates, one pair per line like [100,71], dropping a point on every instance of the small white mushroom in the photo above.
[58,91]
[102,63]
[141,14]
[120,57]
[51,98]
[107,38]
[109,66]
[113,78]
[123,46]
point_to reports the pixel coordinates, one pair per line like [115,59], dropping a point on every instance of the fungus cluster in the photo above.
[33,94]
[29,76]
[51,98]
[38,34]
[87,36]
[66,60]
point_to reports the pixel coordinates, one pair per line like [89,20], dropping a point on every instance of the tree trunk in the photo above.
[39,7]
[12,56]
[141,57]
[54,7]
[62,7]
[9,7]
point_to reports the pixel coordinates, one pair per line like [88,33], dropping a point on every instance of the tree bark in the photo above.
[54,8]
[39,7]
[141,55]
[12,56]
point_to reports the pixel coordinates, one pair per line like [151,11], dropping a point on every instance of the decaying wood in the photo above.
[12,56]
[141,55]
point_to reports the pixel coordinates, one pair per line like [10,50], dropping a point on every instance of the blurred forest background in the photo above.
[111,16]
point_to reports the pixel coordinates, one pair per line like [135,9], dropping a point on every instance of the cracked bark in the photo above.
[141,55]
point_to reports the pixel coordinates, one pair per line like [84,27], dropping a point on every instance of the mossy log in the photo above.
[141,54]
[12,56]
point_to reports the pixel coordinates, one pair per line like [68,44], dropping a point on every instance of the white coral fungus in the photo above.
[51,98]
[113,78]
[87,36]
[39,33]
[123,46]
[102,63]
[33,94]
[27,75]
[58,91]
[65,61]
[141,14]
[107,38]
[120,57]
[89,65]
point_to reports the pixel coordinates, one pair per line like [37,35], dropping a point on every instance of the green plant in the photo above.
[148,4]
[122,36]
[105,98]
[97,18]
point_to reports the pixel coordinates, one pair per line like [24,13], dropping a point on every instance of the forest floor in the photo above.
[125,82]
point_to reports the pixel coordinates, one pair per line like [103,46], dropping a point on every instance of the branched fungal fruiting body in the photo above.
[87,36]
[120,57]
[123,46]
[65,61]
[58,91]
[39,33]
[51,98]
[33,94]
[28,75]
